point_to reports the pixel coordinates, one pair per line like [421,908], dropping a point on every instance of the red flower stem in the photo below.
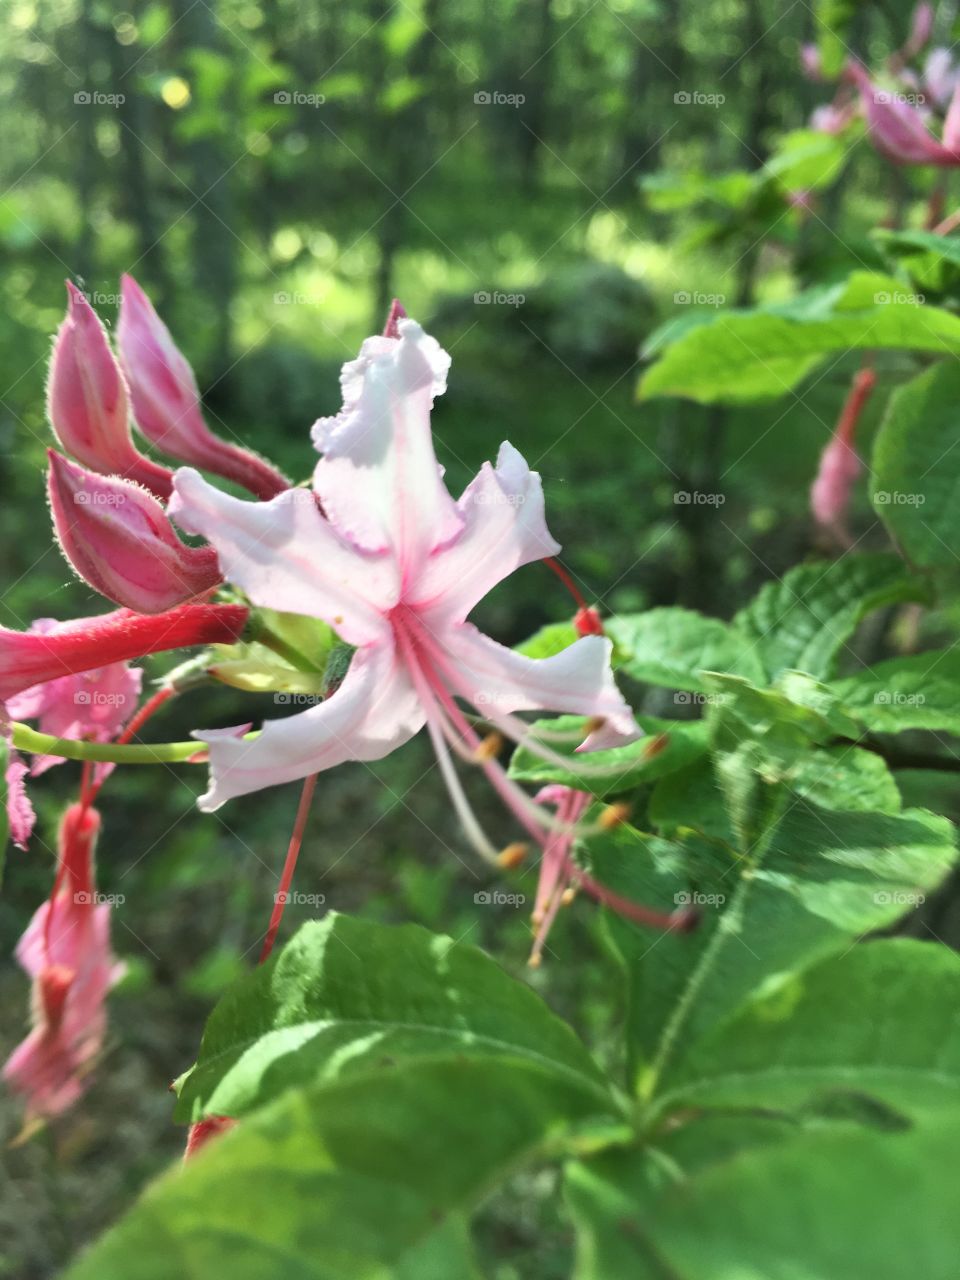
[567,581]
[289,866]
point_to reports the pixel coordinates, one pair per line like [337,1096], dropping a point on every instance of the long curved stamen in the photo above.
[439,733]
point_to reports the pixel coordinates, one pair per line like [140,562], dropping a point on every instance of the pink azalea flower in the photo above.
[66,952]
[89,704]
[899,129]
[382,553]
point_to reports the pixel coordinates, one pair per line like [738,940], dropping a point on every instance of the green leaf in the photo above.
[741,357]
[921,691]
[834,1203]
[847,778]
[819,881]
[806,618]
[874,1021]
[551,639]
[932,260]
[347,1179]
[667,745]
[673,646]
[915,483]
[345,997]
[807,159]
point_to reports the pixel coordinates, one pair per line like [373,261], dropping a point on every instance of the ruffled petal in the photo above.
[286,556]
[578,680]
[379,480]
[374,711]
[21,817]
[503,528]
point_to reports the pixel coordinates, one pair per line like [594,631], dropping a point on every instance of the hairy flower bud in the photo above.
[87,400]
[166,402]
[120,541]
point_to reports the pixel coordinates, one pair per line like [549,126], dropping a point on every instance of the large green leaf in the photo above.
[915,483]
[753,356]
[346,997]
[672,646]
[667,745]
[804,620]
[844,777]
[834,1203]
[879,1020]
[822,878]
[921,691]
[347,1179]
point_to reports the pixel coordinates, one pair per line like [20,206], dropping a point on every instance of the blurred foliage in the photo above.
[273,172]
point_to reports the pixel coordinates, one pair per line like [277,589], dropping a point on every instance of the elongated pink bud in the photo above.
[921,29]
[87,400]
[166,402]
[839,463]
[28,658]
[120,541]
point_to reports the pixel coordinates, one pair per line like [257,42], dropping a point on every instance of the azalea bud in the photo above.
[87,400]
[119,540]
[587,622]
[166,402]
[87,644]
[921,29]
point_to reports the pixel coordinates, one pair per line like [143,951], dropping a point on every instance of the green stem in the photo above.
[260,632]
[27,739]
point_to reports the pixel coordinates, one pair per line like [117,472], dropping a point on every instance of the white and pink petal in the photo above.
[504,527]
[286,556]
[374,711]
[577,680]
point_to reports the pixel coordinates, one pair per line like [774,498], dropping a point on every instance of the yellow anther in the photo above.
[513,855]
[488,749]
[614,815]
